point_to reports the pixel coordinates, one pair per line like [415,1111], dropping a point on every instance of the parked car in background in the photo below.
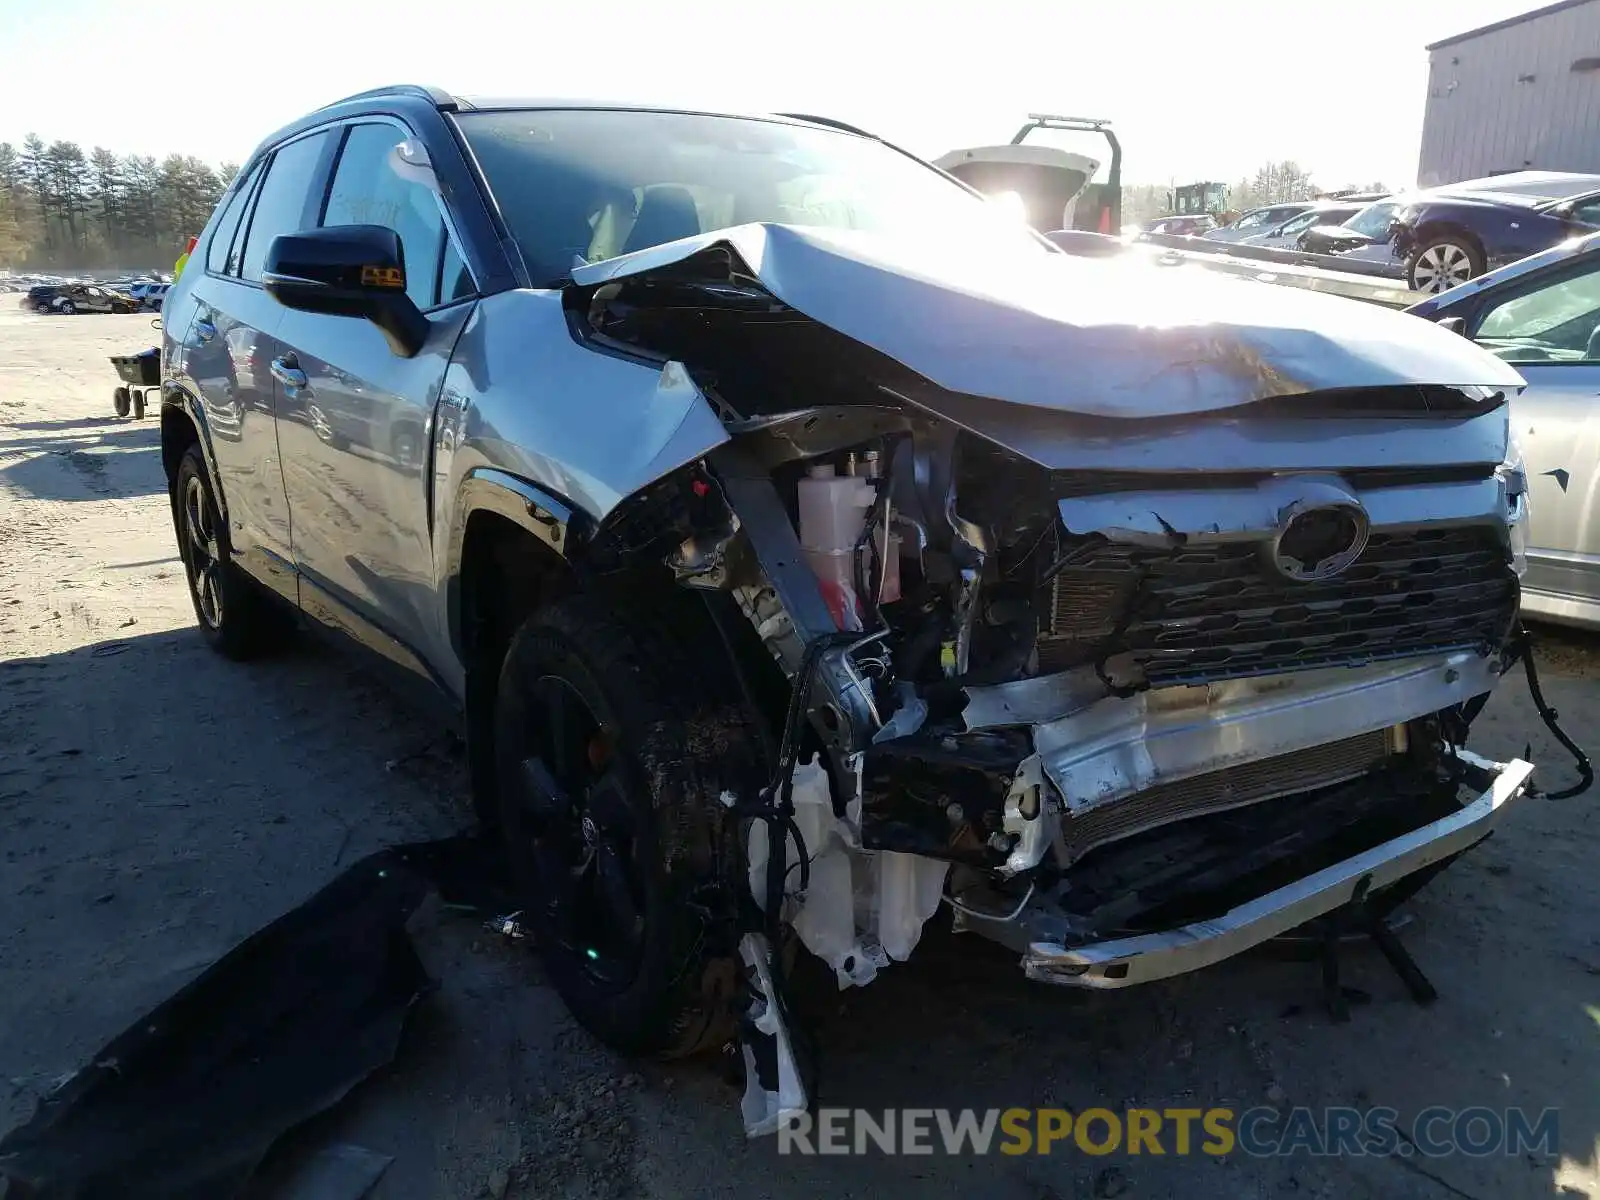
[1188,225]
[1542,315]
[1288,235]
[1258,221]
[41,296]
[1449,235]
[69,298]
[149,294]
[1442,237]
[1367,226]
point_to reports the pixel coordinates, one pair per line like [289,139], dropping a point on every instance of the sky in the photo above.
[1196,90]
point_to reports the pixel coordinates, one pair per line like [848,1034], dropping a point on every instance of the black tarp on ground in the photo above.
[185,1103]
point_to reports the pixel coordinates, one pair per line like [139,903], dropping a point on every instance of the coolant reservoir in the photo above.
[833,513]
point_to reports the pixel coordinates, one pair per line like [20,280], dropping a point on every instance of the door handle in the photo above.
[204,330]
[286,370]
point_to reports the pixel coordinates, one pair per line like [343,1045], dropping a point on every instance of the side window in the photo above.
[1556,323]
[455,281]
[366,191]
[1588,211]
[1252,219]
[281,203]
[228,225]
[236,251]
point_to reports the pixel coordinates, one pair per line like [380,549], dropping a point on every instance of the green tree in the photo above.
[105,194]
[62,209]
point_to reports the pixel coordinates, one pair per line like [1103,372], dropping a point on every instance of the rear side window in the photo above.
[228,225]
[366,191]
[282,203]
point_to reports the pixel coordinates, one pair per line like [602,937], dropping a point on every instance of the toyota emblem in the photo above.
[1318,541]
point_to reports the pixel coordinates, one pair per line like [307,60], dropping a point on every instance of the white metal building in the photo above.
[1521,94]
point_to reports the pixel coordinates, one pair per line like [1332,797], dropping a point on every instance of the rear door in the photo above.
[1549,327]
[225,347]
[356,420]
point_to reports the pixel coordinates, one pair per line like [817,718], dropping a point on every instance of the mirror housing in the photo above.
[348,271]
[1454,325]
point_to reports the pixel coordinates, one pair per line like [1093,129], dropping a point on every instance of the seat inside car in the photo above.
[666,213]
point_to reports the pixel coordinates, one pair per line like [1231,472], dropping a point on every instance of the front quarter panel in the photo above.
[524,400]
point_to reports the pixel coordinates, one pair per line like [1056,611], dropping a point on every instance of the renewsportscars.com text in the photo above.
[1435,1132]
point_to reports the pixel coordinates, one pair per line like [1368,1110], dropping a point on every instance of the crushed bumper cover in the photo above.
[1123,962]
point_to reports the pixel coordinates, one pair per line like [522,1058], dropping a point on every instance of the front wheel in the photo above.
[121,401]
[1443,263]
[66,308]
[234,617]
[609,811]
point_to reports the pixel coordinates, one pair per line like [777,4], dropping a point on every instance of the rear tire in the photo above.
[609,760]
[138,404]
[234,617]
[121,401]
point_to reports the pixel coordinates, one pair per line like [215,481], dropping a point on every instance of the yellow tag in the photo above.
[383,277]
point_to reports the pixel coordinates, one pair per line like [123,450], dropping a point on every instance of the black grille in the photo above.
[1067,484]
[1221,612]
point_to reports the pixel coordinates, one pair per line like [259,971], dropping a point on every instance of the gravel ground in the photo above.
[157,804]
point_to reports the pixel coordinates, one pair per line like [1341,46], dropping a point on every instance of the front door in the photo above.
[356,420]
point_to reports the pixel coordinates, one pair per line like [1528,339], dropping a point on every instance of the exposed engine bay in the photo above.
[1128,693]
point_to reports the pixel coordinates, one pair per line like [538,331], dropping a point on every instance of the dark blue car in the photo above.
[1445,236]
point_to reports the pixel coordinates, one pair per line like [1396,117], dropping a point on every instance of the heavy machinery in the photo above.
[1192,199]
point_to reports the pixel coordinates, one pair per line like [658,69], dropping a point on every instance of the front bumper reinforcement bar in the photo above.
[1123,962]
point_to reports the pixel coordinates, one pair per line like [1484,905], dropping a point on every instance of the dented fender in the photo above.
[523,395]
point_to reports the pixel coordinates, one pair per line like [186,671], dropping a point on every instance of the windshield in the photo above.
[1304,221]
[577,186]
[1374,220]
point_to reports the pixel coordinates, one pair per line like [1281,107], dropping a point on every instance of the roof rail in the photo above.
[438,97]
[828,121]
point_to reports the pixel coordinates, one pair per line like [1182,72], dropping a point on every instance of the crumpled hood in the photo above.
[1100,337]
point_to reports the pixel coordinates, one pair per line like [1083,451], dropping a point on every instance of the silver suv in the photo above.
[803,545]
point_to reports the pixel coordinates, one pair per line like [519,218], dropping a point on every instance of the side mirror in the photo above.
[347,271]
[1454,325]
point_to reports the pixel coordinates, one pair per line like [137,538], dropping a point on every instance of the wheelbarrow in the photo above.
[137,372]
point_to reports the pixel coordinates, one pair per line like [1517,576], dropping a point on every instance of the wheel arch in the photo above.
[505,557]
[502,523]
[183,424]
[1437,227]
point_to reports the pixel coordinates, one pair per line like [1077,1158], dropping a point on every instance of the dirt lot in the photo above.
[157,804]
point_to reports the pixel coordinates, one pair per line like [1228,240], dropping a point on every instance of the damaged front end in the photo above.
[1145,646]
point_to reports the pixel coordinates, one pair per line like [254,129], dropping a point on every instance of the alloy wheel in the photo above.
[205,554]
[1441,267]
[576,832]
